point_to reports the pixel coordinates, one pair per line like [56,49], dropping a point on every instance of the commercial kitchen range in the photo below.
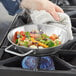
[64,60]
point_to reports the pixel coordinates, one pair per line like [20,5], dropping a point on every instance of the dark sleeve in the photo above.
[12,6]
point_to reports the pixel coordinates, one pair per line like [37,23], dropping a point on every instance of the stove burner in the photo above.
[30,62]
[34,63]
[46,63]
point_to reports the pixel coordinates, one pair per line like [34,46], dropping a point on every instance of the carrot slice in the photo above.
[22,33]
[53,37]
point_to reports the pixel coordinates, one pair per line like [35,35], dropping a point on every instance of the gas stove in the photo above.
[65,2]
[64,60]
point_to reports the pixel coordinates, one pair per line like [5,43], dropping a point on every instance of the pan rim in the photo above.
[33,48]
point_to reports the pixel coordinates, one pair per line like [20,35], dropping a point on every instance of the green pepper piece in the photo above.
[46,42]
[43,41]
[25,44]
[57,42]
[38,39]
[27,34]
[50,43]
[44,36]
[16,41]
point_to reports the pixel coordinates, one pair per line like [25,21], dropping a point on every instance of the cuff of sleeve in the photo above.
[11,6]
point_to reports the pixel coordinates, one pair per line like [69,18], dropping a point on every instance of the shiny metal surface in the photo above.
[48,29]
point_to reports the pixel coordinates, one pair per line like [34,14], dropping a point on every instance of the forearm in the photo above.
[42,5]
[33,4]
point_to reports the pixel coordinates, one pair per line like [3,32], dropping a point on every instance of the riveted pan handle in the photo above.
[15,53]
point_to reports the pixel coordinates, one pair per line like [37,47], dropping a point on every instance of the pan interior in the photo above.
[47,29]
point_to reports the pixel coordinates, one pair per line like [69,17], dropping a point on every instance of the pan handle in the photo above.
[18,54]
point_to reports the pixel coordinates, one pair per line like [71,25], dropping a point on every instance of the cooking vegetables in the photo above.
[39,43]
[35,39]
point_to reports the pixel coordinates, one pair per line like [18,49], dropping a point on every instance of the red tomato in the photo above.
[22,33]
[23,38]
[52,38]
[14,37]
[59,42]
[17,32]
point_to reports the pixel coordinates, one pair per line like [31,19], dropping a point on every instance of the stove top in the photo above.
[65,2]
[64,60]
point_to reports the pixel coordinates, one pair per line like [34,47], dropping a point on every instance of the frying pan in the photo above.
[47,29]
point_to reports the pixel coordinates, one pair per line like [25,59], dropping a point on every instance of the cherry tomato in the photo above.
[23,38]
[17,32]
[22,33]
[52,38]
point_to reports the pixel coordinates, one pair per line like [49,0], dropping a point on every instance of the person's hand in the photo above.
[42,5]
